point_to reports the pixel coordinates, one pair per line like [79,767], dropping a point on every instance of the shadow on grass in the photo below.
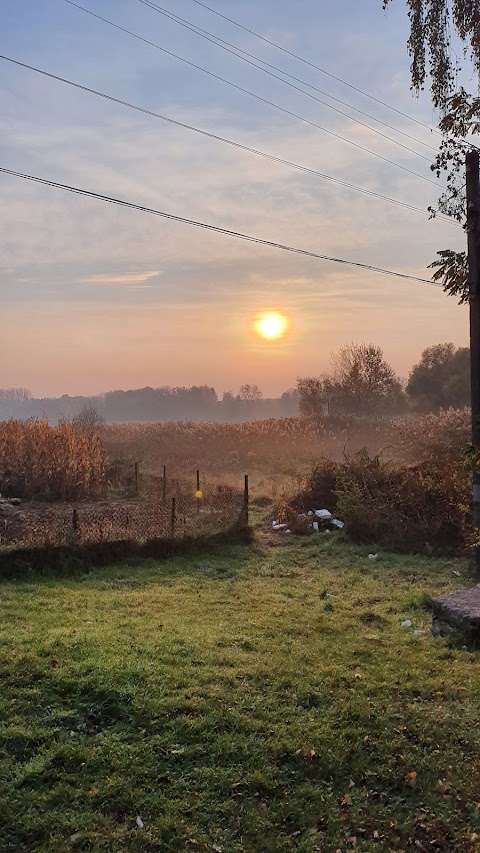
[68,561]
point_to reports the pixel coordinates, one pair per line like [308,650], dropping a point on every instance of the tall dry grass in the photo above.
[271,451]
[50,463]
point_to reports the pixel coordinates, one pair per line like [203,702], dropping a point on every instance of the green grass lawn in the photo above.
[254,699]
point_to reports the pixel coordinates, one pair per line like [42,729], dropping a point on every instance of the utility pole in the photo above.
[473,231]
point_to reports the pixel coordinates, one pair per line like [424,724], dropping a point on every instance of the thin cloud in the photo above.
[126,279]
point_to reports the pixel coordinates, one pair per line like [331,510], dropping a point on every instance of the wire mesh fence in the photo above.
[138,508]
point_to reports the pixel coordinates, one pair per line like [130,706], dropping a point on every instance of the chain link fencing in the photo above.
[138,508]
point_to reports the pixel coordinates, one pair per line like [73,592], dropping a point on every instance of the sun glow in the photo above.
[271,326]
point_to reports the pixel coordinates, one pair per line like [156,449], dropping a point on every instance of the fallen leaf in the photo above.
[139,822]
[53,663]
[346,801]
[411,779]
[309,753]
[376,835]
[358,676]
[217,848]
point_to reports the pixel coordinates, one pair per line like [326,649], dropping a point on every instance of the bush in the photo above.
[50,463]
[421,508]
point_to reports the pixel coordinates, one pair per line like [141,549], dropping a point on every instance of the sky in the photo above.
[96,297]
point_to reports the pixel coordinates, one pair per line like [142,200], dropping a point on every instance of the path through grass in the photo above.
[256,700]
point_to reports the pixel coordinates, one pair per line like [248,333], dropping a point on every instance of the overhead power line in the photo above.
[254,95]
[225,45]
[214,228]
[467,142]
[316,67]
[226,141]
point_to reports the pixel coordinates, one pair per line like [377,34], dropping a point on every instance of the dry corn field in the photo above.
[56,491]
[275,453]
[51,463]
[116,476]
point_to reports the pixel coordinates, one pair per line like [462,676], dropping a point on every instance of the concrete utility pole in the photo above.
[473,231]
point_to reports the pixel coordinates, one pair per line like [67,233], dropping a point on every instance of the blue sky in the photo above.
[95,297]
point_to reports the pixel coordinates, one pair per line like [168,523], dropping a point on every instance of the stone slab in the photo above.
[458,611]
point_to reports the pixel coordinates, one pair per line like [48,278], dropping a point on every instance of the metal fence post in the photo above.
[198,492]
[174,514]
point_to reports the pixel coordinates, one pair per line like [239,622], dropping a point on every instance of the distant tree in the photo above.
[89,417]
[313,399]
[14,395]
[441,379]
[361,381]
[290,402]
[250,393]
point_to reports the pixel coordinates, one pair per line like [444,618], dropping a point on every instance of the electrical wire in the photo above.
[316,67]
[219,42]
[254,95]
[226,141]
[466,142]
[214,228]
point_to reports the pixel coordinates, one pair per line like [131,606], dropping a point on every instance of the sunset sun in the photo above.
[271,326]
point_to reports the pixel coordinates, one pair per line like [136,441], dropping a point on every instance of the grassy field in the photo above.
[257,699]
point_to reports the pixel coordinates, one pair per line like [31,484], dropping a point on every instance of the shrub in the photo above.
[421,508]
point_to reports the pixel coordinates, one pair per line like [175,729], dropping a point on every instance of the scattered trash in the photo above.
[139,822]
[372,556]
[324,514]
[407,623]
[301,523]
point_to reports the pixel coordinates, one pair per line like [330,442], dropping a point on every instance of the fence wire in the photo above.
[158,508]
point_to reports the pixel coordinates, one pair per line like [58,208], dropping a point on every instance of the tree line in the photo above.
[359,381]
[196,403]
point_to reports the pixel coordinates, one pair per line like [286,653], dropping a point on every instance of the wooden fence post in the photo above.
[136,478]
[174,513]
[198,492]
[75,520]
[164,483]
[246,501]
